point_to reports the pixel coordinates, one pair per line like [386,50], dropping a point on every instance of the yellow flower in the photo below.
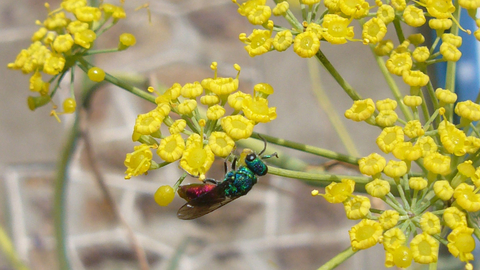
[237,126]
[421,54]
[401,257]
[399,62]
[178,126]
[452,138]
[262,90]
[395,169]
[87,14]
[281,9]
[196,159]
[467,198]
[187,107]
[148,123]
[430,223]
[171,148]
[440,9]
[440,24]
[468,109]
[415,78]
[332,5]
[413,16]
[407,151]
[413,129]
[223,86]
[386,104]
[221,144]
[164,195]
[393,238]
[39,34]
[210,99]
[256,109]
[215,112]
[384,47]
[56,21]
[259,15]
[388,219]
[469,4]
[386,118]
[365,234]
[306,44]
[71,5]
[85,38]
[454,217]
[373,31]
[372,164]
[399,5]
[115,11]
[236,99]
[424,248]
[450,52]
[54,64]
[63,43]
[417,183]
[378,188]
[339,192]
[445,96]
[357,207]
[138,162]
[259,42]
[191,90]
[461,243]
[427,145]
[283,39]
[412,101]
[249,6]
[452,39]
[443,190]
[361,110]
[336,29]
[38,85]
[389,137]
[356,9]
[76,26]
[386,13]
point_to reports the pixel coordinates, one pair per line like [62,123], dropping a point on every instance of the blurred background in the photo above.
[278,225]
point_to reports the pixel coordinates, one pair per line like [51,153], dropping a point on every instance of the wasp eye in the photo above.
[251,157]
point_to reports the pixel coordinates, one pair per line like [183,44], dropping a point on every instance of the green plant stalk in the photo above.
[9,250]
[316,177]
[452,66]
[338,78]
[60,193]
[326,104]
[308,149]
[338,259]
[85,66]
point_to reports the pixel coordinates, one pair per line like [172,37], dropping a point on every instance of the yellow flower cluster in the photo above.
[334,27]
[446,154]
[208,133]
[62,38]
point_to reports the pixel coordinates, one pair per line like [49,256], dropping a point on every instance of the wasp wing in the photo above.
[193,210]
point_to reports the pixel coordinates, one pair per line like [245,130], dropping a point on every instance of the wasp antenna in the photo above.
[264,145]
[211,180]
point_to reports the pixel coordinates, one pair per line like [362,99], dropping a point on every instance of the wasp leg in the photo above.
[269,156]
[211,180]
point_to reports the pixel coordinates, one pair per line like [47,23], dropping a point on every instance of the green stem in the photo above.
[92,52]
[398,30]
[338,259]
[308,149]
[328,108]
[342,82]
[59,205]
[9,250]
[452,66]
[85,66]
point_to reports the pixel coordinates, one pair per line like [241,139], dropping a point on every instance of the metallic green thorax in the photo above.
[239,182]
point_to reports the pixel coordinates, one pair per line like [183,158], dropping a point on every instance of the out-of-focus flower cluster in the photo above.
[197,135]
[66,35]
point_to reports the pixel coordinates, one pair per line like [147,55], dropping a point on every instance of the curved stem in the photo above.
[338,259]
[308,149]
[342,82]
[9,250]
[85,66]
